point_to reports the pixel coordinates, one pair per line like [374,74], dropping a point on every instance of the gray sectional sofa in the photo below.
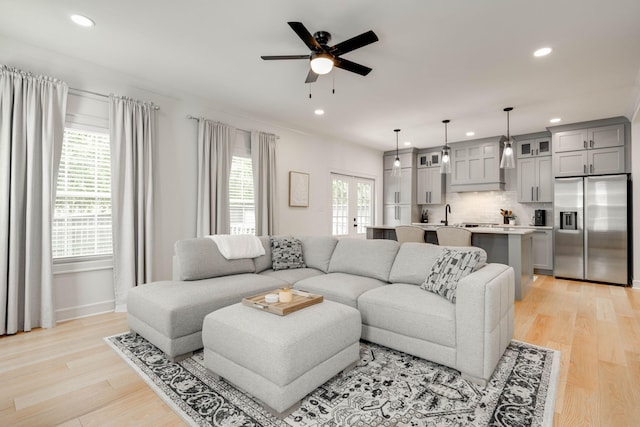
[380,278]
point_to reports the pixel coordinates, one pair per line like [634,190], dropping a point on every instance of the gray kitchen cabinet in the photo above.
[533,147]
[606,161]
[430,186]
[398,214]
[476,165]
[589,138]
[589,162]
[535,180]
[399,192]
[543,250]
[428,159]
[398,189]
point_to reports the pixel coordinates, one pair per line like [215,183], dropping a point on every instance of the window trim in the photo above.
[71,264]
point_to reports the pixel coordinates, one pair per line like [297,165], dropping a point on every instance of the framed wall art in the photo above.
[298,189]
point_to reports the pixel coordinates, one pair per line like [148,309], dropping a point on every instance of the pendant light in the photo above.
[445,161]
[396,171]
[508,161]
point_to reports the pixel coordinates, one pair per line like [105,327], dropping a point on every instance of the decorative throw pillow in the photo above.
[451,266]
[286,252]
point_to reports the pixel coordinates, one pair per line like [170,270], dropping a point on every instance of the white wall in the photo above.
[176,166]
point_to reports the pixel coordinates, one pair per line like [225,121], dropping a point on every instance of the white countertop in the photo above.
[498,229]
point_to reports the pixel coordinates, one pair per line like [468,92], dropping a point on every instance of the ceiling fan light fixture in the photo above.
[321,63]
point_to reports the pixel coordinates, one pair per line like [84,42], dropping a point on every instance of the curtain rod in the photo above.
[102,95]
[189,116]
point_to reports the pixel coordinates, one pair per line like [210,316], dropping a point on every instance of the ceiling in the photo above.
[456,59]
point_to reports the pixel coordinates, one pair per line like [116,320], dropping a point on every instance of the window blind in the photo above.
[82,217]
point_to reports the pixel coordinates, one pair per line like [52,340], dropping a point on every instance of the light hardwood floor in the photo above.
[69,376]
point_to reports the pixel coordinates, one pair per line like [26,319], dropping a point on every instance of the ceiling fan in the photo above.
[323,57]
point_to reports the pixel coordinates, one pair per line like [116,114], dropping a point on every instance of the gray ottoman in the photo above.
[281,359]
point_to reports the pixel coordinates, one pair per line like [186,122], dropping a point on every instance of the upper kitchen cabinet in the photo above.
[430,186]
[582,139]
[535,180]
[533,147]
[592,148]
[430,183]
[428,159]
[476,165]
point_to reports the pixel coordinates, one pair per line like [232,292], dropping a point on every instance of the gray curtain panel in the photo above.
[133,137]
[215,149]
[263,159]
[32,112]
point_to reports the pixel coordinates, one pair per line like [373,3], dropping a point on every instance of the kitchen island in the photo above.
[505,245]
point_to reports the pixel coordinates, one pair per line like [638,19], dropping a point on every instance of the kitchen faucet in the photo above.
[446,218]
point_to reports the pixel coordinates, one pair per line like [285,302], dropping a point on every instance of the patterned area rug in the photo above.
[387,388]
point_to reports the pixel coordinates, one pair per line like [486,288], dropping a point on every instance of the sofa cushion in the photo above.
[201,259]
[286,252]
[451,266]
[339,287]
[292,276]
[368,258]
[176,309]
[415,260]
[408,310]
[263,262]
[317,251]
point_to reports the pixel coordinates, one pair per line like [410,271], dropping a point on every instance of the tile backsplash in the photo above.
[484,207]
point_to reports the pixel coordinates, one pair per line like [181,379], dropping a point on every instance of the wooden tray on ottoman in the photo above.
[299,301]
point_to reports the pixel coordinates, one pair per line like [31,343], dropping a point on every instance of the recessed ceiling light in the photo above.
[407,143]
[544,51]
[555,120]
[319,112]
[470,133]
[83,21]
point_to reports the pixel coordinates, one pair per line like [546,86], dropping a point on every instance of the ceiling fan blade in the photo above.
[305,35]
[272,57]
[351,66]
[354,43]
[311,77]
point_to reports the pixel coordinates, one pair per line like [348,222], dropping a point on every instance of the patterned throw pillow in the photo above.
[286,252]
[451,266]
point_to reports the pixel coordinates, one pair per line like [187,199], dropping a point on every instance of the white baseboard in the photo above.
[71,313]
[636,285]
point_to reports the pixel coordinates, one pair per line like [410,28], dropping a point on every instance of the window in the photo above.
[352,197]
[82,216]
[242,211]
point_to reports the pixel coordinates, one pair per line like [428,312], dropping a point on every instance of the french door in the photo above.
[352,205]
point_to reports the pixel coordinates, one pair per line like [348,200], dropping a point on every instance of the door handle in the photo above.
[591,143]
[538,194]
[591,168]
[585,168]
[532,194]
[585,144]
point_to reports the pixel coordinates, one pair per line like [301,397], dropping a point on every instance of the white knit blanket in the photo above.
[238,246]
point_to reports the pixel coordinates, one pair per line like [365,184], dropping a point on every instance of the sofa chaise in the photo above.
[380,278]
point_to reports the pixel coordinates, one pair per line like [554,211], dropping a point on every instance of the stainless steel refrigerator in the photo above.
[591,235]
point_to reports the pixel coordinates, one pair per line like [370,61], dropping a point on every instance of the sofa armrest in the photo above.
[484,319]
